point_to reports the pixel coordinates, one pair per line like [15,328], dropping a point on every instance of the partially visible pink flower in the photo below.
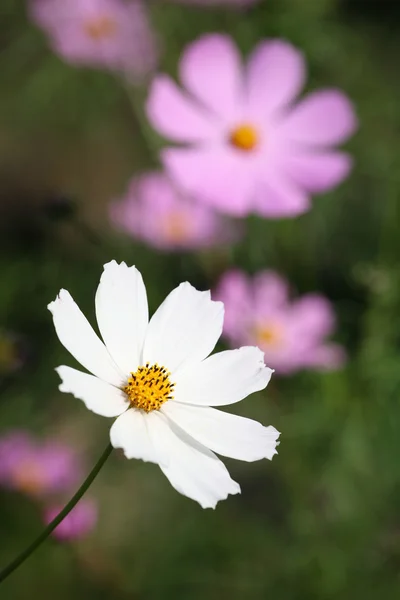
[77,524]
[154,211]
[37,468]
[247,146]
[292,334]
[109,34]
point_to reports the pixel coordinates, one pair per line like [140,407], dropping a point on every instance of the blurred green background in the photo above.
[322,520]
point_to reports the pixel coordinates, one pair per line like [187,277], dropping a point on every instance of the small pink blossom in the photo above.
[291,333]
[77,524]
[154,211]
[247,146]
[37,468]
[109,34]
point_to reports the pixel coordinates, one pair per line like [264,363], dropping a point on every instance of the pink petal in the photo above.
[322,118]
[325,357]
[275,75]
[312,316]
[270,291]
[213,175]
[174,115]
[235,291]
[276,197]
[77,524]
[211,69]
[234,288]
[318,172]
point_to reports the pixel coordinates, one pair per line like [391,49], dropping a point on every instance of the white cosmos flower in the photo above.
[156,378]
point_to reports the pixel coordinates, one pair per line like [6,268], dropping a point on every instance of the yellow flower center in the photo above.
[28,478]
[244,137]
[176,227]
[100,28]
[149,387]
[268,335]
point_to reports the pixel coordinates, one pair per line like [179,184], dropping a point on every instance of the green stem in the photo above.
[136,98]
[14,564]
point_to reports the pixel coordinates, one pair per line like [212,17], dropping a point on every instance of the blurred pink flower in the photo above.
[154,211]
[77,524]
[101,33]
[36,468]
[291,333]
[249,148]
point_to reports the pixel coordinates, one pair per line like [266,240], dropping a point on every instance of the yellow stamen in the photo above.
[176,227]
[268,335]
[28,478]
[100,28]
[244,137]
[149,387]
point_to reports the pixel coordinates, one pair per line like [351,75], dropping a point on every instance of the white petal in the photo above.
[122,313]
[77,336]
[184,330]
[98,396]
[224,378]
[226,434]
[192,469]
[131,433]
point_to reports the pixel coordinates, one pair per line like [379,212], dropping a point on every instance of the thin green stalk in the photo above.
[137,97]
[14,564]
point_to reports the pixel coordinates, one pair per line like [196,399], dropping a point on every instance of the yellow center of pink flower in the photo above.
[268,335]
[244,137]
[28,478]
[176,227]
[149,387]
[100,28]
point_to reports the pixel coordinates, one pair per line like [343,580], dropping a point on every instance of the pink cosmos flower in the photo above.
[248,146]
[100,33]
[79,523]
[36,468]
[291,333]
[154,211]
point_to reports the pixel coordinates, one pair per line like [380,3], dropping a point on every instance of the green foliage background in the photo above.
[322,520]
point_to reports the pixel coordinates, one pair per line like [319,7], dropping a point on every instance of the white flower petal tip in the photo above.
[113,265]
[61,296]
[184,329]
[78,337]
[226,434]
[224,378]
[122,313]
[266,372]
[234,490]
[271,439]
[98,396]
